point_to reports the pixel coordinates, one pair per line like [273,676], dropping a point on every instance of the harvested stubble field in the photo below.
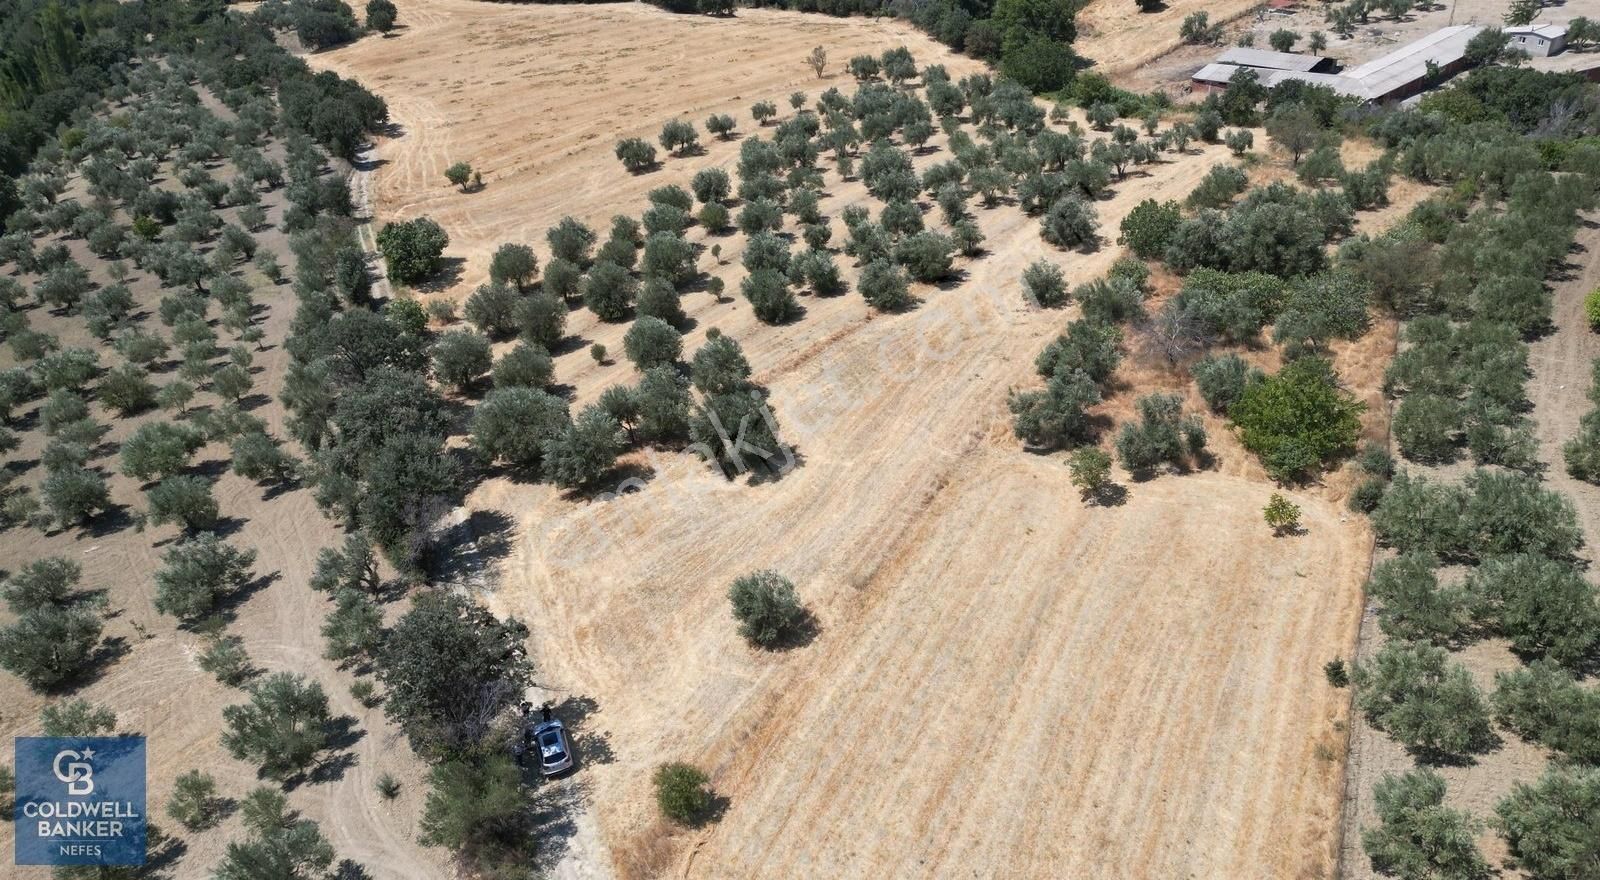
[1002,680]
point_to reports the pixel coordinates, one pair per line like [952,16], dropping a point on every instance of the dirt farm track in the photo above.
[1004,682]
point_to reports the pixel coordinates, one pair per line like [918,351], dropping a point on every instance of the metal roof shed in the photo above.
[1246,57]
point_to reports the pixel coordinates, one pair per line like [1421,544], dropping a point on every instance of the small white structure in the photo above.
[1538,40]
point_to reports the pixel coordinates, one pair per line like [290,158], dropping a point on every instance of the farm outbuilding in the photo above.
[1538,40]
[1389,78]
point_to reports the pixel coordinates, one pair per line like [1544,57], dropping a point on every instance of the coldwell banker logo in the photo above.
[80,800]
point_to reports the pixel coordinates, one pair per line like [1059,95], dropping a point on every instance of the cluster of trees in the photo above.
[1078,364]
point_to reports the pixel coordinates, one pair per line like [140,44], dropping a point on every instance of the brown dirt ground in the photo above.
[1003,680]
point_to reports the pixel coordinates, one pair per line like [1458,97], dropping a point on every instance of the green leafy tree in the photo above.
[512,424]
[1149,227]
[50,645]
[412,249]
[636,155]
[609,292]
[585,451]
[1417,696]
[1281,514]
[1056,416]
[682,793]
[283,728]
[477,808]
[1544,606]
[198,573]
[450,668]
[77,717]
[1418,837]
[74,495]
[459,174]
[767,607]
[278,844]
[1296,420]
[1091,472]
[194,803]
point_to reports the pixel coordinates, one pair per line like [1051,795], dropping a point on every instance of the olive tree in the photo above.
[767,608]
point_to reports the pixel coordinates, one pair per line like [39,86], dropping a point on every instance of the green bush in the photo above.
[1162,435]
[1549,826]
[1415,606]
[1425,427]
[1415,694]
[1298,419]
[1417,835]
[1542,703]
[1544,606]
[767,608]
[1222,379]
[682,793]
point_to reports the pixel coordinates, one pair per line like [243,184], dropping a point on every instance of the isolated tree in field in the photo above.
[678,137]
[763,111]
[197,574]
[1417,835]
[585,451]
[637,155]
[651,342]
[767,608]
[513,264]
[50,645]
[194,803]
[682,793]
[459,174]
[461,358]
[1091,472]
[598,353]
[282,729]
[818,61]
[412,249]
[184,500]
[1281,514]
[1043,284]
[450,668]
[381,15]
[1415,694]
[46,582]
[721,125]
[1197,29]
